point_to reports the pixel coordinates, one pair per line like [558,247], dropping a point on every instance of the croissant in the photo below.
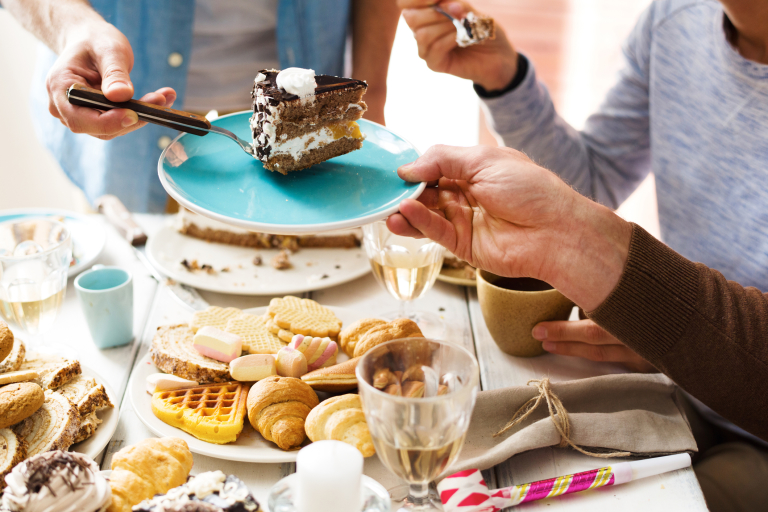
[152,466]
[349,337]
[341,418]
[278,407]
[378,334]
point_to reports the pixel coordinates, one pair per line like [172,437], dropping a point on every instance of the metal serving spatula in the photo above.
[83,96]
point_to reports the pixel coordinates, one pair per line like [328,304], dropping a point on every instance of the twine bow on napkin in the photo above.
[557,414]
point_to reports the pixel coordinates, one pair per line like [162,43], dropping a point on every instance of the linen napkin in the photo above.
[636,413]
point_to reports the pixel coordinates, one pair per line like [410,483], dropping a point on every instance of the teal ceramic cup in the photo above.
[106,296]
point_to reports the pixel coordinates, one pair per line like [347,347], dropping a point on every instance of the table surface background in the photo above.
[458,306]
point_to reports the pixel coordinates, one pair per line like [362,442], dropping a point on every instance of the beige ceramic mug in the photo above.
[512,306]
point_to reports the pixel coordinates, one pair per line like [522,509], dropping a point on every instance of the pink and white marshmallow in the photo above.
[166,382]
[291,363]
[253,367]
[217,344]
[320,352]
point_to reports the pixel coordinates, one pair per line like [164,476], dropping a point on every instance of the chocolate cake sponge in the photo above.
[292,133]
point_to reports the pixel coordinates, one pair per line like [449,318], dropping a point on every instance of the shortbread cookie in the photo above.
[18,376]
[14,360]
[6,340]
[284,335]
[351,334]
[172,352]
[214,316]
[304,316]
[256,337]
[394,330]
[19,401]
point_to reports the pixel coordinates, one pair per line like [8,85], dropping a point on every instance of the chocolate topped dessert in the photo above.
[477,29]
[212,491]
[300,119]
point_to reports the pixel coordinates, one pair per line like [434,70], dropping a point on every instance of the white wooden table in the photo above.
[459,308]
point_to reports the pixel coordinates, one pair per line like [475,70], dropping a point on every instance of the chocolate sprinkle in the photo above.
[41,470]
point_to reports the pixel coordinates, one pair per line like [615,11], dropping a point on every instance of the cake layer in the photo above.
[285,163]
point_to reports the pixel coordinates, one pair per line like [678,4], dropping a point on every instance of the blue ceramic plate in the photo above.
[88,234]
[212,176]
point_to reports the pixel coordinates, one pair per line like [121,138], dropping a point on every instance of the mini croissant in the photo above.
[278,407]
[341,418]
[150,467]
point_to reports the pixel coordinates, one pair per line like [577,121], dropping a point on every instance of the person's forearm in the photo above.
[707,334]
[374,23]
[52,21]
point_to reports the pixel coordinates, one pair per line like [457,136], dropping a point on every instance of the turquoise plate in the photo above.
[212,176]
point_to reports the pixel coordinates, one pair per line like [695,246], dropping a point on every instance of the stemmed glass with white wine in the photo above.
[417,435]
[407,268]
[34,260]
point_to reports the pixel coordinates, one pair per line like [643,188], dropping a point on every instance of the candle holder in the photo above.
[375,497]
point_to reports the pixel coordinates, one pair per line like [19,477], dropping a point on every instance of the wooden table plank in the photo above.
[678,490]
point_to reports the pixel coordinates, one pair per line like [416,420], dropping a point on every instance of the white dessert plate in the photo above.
[455,276]
[93,446]
[88,234]
[312,269]
[250,446]
[214,177]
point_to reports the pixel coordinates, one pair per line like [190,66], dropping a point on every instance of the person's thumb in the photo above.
[443,161]
[114,65]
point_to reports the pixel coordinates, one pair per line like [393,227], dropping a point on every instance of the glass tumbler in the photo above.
[35,255]
[418,395]
[407,269]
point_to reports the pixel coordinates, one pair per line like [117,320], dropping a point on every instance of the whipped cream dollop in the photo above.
[298,81]
[57,481]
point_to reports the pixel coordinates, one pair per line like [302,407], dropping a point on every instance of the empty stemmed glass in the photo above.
[418,395]
[34,260]
[407,269]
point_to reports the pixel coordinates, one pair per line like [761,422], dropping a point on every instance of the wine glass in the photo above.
[407,269]
[35,255]
[418,395]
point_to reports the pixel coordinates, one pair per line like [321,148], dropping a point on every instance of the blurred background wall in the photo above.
[575,45]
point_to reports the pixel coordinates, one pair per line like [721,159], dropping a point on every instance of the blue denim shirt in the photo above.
[310,34]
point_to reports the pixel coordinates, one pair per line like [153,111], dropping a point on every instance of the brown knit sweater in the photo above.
[707,334]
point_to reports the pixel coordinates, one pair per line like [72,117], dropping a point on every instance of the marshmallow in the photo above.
[291,363]
[253,367]
[217,344]
[298,81]
[320,352]
[165,382]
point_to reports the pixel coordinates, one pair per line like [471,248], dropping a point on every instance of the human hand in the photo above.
[497,210]
[492,64]
[586,339]
[98,55]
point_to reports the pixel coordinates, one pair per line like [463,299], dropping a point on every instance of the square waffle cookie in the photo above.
[304,316]
[214,413]
[214,316]
[253,330]
[285,336]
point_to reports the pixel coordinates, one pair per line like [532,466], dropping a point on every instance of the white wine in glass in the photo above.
[418,436]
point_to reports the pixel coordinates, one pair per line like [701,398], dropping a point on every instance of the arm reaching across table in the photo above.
[501,212]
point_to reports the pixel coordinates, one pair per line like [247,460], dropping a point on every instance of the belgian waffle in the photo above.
[257,339]
[213,413]
[304,316]
[172,352]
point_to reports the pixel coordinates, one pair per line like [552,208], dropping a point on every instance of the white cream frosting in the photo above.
[296,146]
[186,217]
[91,490]
[298,81]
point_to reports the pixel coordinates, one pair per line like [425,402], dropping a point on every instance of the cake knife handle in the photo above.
[83,96]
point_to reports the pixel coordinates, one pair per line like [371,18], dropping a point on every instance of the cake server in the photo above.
[188,122]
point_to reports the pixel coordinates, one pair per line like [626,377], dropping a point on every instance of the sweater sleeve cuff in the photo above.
[654,301]
[520,74]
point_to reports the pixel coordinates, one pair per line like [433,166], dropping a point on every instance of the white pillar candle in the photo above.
[329,478]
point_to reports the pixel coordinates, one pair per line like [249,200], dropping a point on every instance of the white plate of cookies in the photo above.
[213,416]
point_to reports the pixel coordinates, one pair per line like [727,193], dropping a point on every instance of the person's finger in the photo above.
[428,36]
[443,161]
[456,9]
[430,223]
[114,63]
[585,331]
[600,353]
[430,198]
[416,4]
[416,18]
[169,94]
[399,225]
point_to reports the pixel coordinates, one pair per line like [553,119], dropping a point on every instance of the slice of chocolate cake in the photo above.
[477,29]
[300,119]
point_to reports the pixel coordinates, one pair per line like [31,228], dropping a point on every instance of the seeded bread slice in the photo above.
[172,352]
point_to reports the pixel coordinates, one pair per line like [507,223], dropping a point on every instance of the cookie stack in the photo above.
[45,403]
